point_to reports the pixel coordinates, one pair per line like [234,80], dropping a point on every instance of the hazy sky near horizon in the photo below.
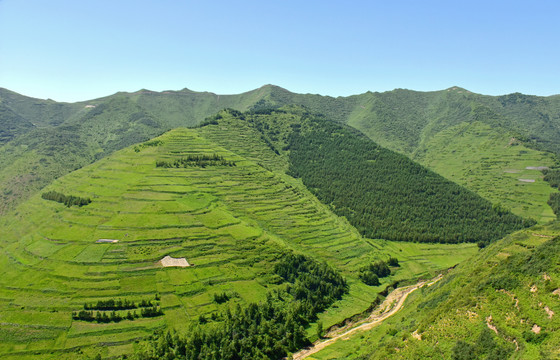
[71,50]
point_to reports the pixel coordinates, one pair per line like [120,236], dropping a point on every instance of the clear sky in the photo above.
[71,50]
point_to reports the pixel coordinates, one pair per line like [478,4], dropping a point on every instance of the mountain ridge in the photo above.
[405,121]
[5,91]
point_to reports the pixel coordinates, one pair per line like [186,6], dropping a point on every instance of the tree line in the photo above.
[220,298]
[113,316]
[68,200]
[118,304]
[552,176]
[196,160]
[270,329]
[554,203]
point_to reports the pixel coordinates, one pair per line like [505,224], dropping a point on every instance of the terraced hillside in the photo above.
[41,140]
[494,164]
[230,223]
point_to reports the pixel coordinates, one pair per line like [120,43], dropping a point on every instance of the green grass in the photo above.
[458,307]
[491,163]
[233,222]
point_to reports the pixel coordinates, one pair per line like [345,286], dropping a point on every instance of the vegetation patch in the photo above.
[371,273]
[111,310]
[270,329]
[68,200]
[484,347]
[196,160]
[552,176]
[113,316]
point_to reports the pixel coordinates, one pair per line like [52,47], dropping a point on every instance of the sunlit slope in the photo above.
[494,164]
[43,140]
[230,222]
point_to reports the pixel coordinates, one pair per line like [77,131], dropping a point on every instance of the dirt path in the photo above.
[390,306]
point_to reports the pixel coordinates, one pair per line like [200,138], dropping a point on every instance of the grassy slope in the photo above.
[491,163]
[11,124]
[460,307]
[230,222]
[42,154]
[40,113]
[43,132]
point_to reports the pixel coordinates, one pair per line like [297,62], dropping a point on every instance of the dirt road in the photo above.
[390,306]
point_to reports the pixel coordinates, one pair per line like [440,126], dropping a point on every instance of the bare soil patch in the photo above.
[110,241]
[169,261]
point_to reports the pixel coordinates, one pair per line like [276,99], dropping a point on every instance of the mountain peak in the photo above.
[458,89]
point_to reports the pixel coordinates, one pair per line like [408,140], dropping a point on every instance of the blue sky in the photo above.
[78,50]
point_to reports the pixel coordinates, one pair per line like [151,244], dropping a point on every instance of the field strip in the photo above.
[390,306]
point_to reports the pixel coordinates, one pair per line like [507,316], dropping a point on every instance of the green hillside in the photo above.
[39,112]
[50,139]
[381,193]
[11,124]
[503,304]
[422,125]
[232,223]
[493,164]
[235,196]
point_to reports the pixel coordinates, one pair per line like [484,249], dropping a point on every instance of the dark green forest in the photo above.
[554,202]
[552,176]
[371,273]
[385,195]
